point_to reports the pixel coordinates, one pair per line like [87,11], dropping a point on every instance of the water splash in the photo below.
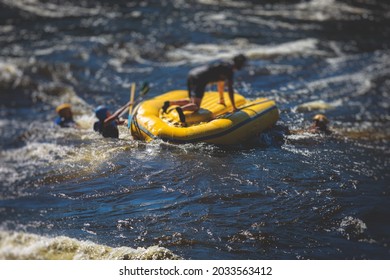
[25,246]
[352,228]
[202,53]
[51,10]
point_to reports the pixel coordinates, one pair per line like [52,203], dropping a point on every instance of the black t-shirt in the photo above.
[110,130]
[204,75]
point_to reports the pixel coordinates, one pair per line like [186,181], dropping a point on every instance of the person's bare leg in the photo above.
[193,105]
[221,87]
[180,102]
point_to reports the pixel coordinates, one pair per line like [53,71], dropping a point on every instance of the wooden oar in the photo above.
[128,107]
[144,90]
[130,104]
[132,93]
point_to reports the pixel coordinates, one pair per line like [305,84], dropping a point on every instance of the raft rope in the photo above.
[140,128]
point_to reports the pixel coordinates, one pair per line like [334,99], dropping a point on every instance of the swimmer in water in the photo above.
[107,125]
[320,124]
[201,76]
[65,116]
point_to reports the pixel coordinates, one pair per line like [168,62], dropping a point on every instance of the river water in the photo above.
[68,193]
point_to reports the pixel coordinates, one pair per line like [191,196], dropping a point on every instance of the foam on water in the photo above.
[322,10]
[318,105]
[26,246]
[9,72]
[352,227]
[315,10]
[202,53]
[29,161]
[51,10]
[280,196]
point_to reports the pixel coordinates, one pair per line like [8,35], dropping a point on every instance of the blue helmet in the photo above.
[101,112]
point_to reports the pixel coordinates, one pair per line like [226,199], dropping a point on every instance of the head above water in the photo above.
[239,61]
[320,123]
[63,106]
[64,110]
[320,118]
[101,112]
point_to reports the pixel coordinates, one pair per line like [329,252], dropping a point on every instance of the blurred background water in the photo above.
[68,193]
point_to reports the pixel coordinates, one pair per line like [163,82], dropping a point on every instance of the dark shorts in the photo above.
[196,88]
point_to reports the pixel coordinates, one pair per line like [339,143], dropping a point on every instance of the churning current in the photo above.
[71,194]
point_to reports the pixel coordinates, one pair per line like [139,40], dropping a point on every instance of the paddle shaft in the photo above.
[132,93]
[144,91]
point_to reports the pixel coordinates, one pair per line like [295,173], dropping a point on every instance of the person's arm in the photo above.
[231,95]
[117,114]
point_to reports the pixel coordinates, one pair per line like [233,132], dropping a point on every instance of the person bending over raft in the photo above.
[65,116]
[108,123]
[199,77]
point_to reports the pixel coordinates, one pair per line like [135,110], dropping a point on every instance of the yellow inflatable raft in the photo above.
[211,124]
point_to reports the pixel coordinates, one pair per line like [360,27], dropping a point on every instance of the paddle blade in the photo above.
[144,89]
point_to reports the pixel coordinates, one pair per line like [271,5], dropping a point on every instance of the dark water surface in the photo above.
[68,193]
